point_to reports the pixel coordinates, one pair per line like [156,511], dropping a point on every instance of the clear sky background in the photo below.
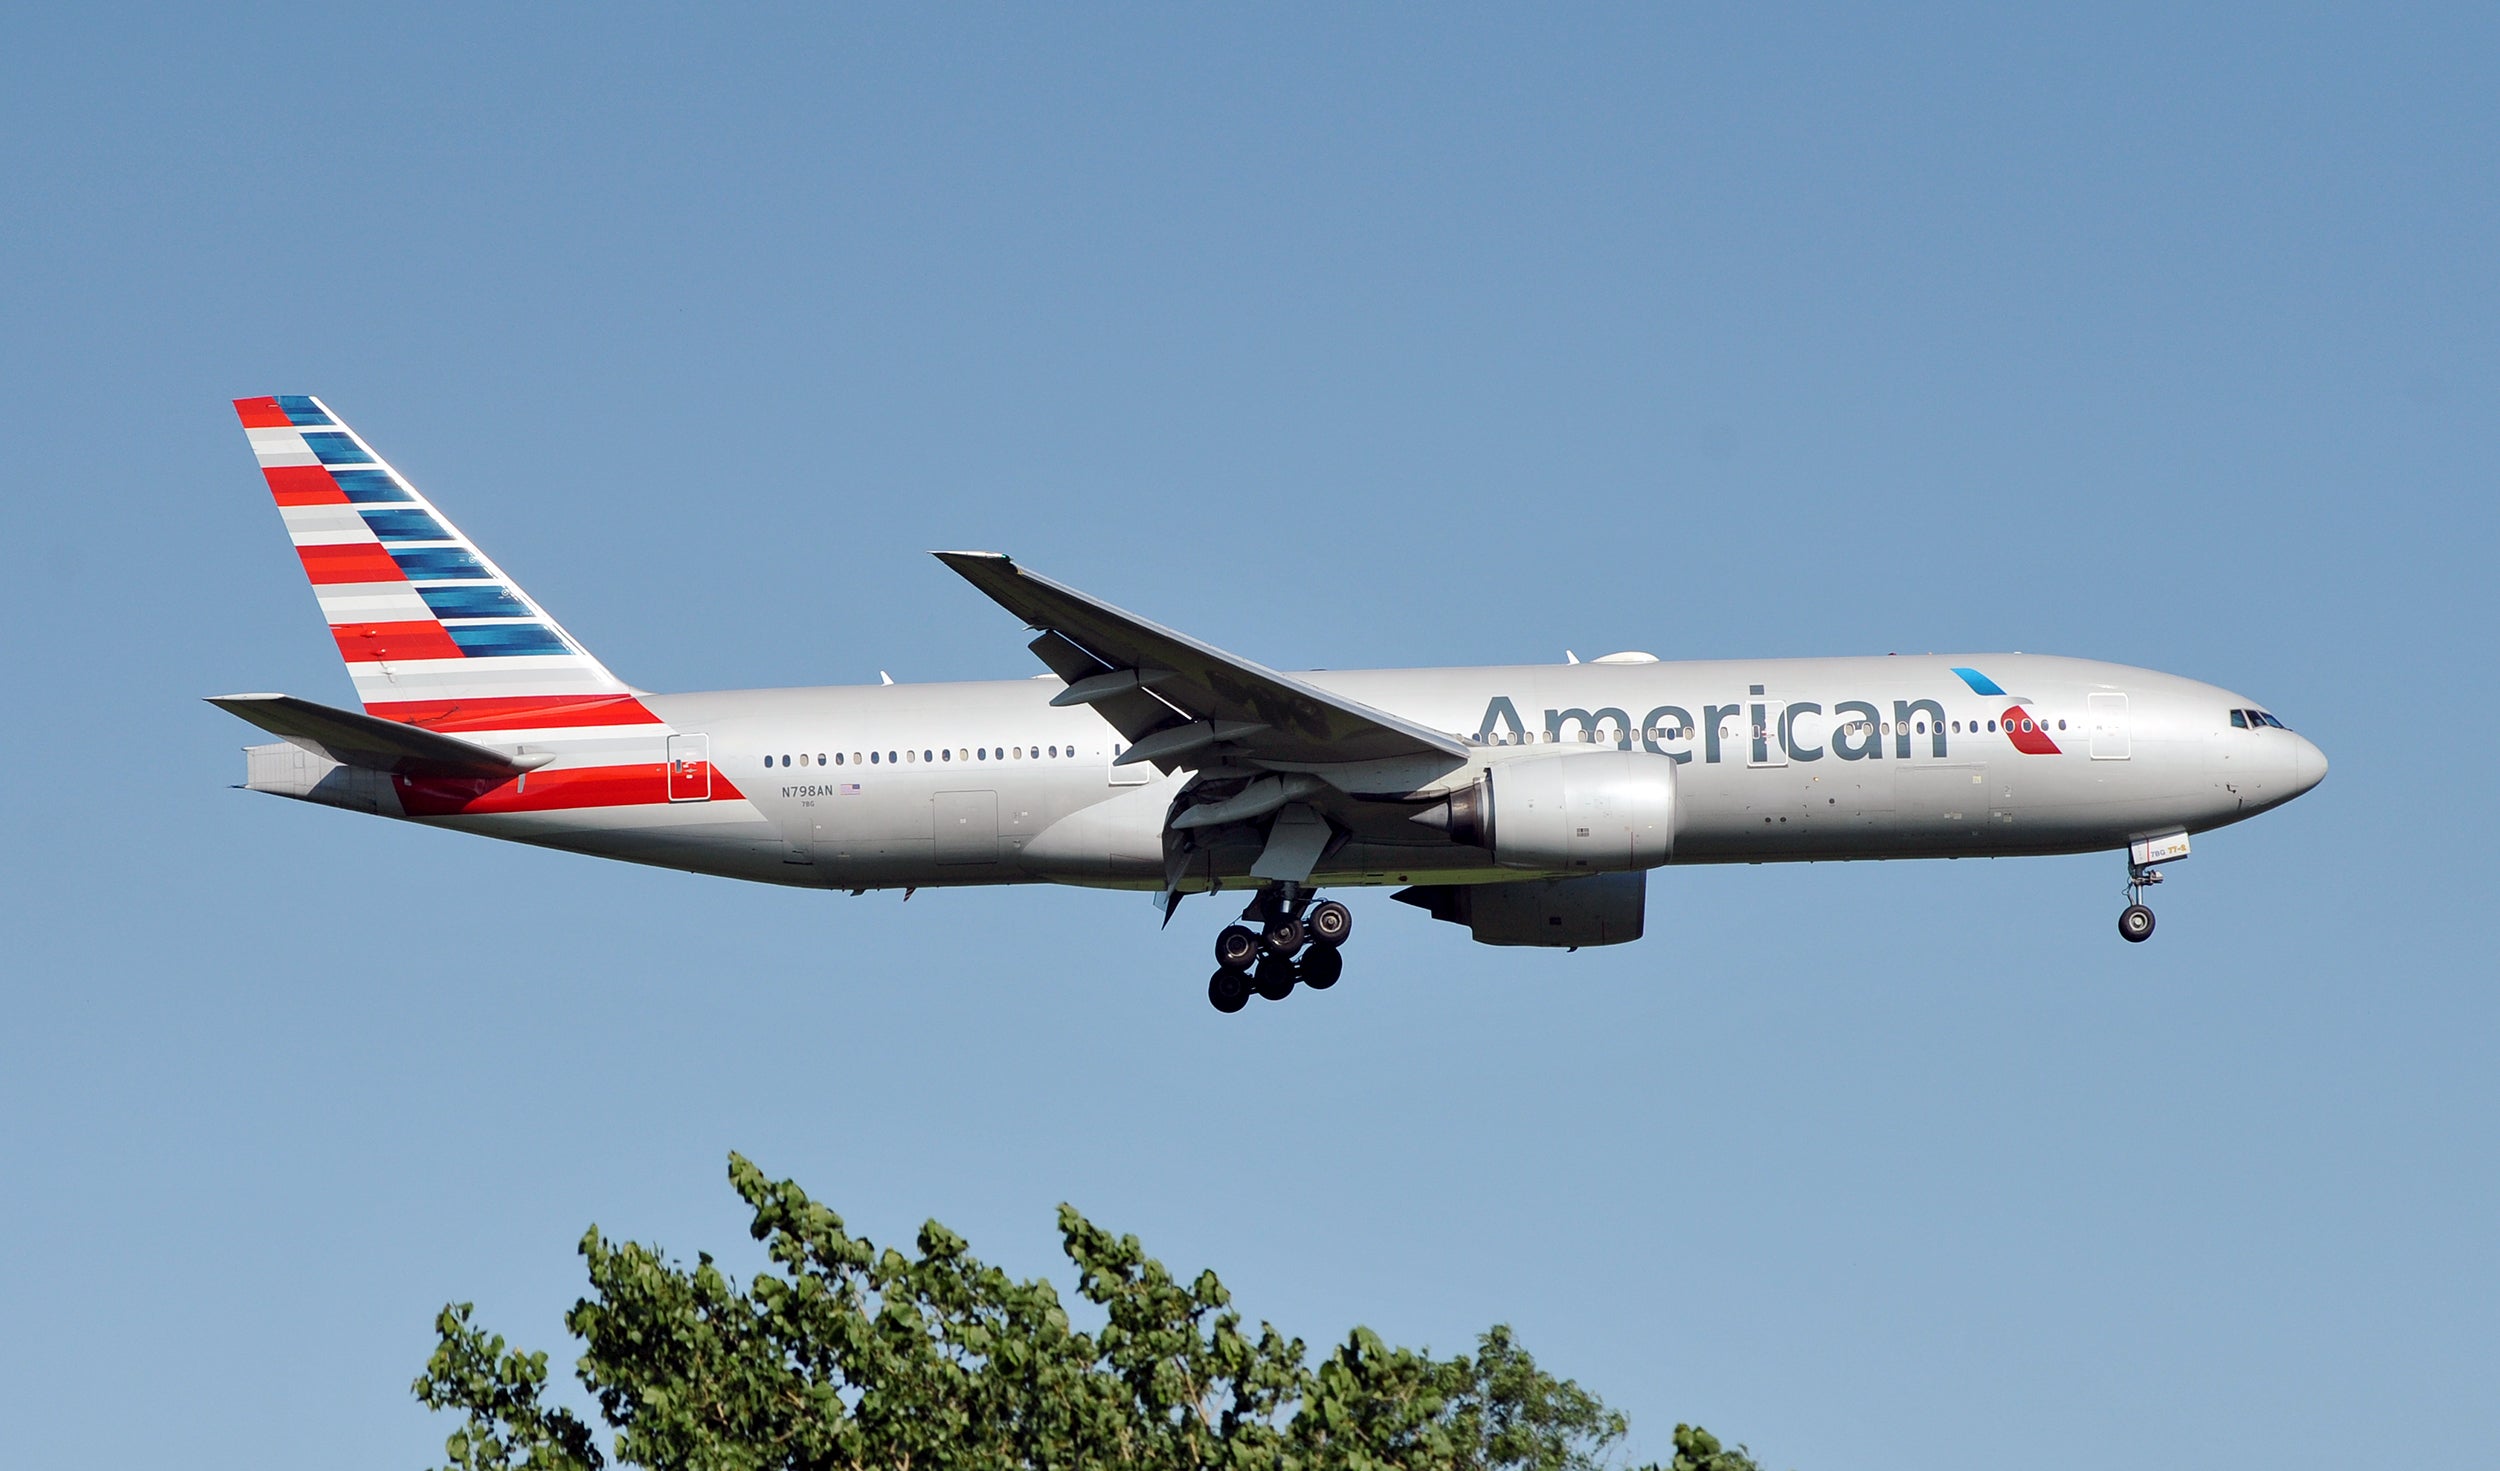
[1385,336]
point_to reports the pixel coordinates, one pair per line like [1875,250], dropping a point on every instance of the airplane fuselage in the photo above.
[919,785]
[1526,802]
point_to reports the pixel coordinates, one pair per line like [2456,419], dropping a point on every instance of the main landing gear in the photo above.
[2135,922]
[1265,960]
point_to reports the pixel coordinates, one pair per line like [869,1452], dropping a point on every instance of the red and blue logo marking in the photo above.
[2029,735]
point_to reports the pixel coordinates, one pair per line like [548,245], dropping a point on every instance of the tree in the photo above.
[847,1355]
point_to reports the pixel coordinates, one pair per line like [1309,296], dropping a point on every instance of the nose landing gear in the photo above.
[1264,960]
[2135,922]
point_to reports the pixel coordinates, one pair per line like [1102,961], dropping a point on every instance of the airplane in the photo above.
[1526,803]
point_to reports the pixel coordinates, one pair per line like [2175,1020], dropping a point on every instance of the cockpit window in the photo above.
[2270,720]
[2239,718]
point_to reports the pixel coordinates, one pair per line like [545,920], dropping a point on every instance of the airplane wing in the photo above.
[353,739]
[1184,703]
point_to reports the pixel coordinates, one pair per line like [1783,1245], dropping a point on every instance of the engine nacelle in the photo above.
[1574,811]
[1601,909]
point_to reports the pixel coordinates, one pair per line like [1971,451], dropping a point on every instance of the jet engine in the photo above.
[1600,909]
[1605,811]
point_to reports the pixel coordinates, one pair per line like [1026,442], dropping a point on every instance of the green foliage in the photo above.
[848,1355]
[508,1429]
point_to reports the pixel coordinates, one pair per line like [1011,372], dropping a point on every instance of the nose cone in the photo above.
[2309,768]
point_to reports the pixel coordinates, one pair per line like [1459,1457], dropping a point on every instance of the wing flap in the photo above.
[1273,716]
[1132,712]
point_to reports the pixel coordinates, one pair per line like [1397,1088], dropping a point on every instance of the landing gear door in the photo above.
[690,768]
[2110,739]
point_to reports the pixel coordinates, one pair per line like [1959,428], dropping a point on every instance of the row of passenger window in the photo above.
[1589,736]
[941,753]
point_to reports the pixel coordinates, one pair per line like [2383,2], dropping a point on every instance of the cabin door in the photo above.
[690,768]
[2110,738]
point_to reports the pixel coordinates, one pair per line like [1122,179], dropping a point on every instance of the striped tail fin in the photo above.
[433,632]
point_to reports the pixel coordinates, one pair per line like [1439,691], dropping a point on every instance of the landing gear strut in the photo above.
[1264,960]
[2135,922]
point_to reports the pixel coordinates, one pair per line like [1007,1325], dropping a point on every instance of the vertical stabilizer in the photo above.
[433,632]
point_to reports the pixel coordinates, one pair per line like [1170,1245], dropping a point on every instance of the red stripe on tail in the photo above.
[640,785]
[363,643]
[303,485]
[354,561]
[517,712]
[261,413]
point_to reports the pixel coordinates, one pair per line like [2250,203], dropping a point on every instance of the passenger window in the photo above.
[837,758]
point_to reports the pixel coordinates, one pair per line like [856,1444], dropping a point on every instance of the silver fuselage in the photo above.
[904,785]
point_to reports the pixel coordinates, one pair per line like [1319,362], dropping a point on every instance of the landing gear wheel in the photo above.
[1330,923]
[1320,966]
[1228,991]
[2135,922]
[1237,948]
[1283,937]
[1274,978]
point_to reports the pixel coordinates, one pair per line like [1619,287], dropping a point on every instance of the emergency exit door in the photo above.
[2110,738]
[690,768]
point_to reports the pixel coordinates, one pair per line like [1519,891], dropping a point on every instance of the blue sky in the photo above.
[1395,336]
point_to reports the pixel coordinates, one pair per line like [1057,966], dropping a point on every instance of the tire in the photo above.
[1283,937]
[1274,978]
[1330,923]
[1319,967]
[2135,922]
[1228,991]
[1237,948]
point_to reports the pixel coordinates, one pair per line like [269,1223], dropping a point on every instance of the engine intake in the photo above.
[1568,811]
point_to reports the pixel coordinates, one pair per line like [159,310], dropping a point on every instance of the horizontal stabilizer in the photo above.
[373,744]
